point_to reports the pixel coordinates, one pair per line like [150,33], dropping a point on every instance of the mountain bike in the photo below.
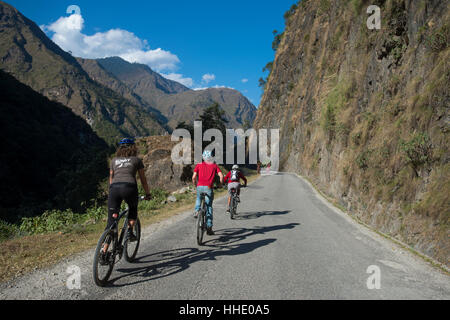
[234,202]
[201,220]
[118,245]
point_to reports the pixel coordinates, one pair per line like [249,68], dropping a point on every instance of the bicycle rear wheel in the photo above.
[201,223]
[104,261]
[131,248]
[232,207]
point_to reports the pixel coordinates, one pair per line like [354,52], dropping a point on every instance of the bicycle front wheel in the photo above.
[104,259]
[131,247]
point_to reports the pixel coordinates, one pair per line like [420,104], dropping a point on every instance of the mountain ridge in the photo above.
[31,57]
[175,101]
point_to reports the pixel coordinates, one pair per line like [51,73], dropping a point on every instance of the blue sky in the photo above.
[202,43]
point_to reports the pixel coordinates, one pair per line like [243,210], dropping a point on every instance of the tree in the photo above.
[277,40]
[268,67]
[290,12]
[261,83]
[213,118]
[188,127]
[247,125]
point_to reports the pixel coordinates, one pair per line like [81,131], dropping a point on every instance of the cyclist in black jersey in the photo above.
[123,184]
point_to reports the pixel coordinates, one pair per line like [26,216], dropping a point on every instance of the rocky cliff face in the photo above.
[364,113]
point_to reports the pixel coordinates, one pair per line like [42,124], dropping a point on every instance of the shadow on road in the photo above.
[165,263]
[255,215]
[254,186]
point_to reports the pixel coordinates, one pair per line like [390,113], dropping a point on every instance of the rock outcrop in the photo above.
[161,172]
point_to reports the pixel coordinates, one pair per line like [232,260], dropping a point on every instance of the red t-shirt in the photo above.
[206,173]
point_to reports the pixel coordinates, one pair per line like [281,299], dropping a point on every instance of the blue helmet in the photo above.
[207,155]
[126,141]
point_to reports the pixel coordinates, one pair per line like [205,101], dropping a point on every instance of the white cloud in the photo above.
[67,33]
[188,82]
[207,78]
[245,80]
[216,87]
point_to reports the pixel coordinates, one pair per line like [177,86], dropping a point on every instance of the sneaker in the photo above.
[131,236]
[228,210]
[196,214]
[209,231]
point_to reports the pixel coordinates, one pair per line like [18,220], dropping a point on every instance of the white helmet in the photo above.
[235,167]
[207,156]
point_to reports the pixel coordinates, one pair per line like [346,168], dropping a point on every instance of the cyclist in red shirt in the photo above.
[206,172]
[233,178]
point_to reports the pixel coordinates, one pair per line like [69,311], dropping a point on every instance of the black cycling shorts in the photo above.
[119,192]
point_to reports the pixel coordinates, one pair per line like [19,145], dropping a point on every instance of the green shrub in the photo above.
[96,213]
[159,196]
[337,100]
[291,86]
[417,150]
[288,14]
[276,40]
[356,5]
[50,221]
[324,6]
[438,40]
[356,138]
[329,120]
[7,230]
[362,160]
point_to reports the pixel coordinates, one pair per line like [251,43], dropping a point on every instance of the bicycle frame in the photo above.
[201,223]
[111,244]
[203,204]
[118,240]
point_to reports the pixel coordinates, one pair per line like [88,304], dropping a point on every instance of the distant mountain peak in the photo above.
[32,58]
[174,100]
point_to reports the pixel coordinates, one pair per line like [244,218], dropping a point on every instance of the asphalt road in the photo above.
[286,243]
